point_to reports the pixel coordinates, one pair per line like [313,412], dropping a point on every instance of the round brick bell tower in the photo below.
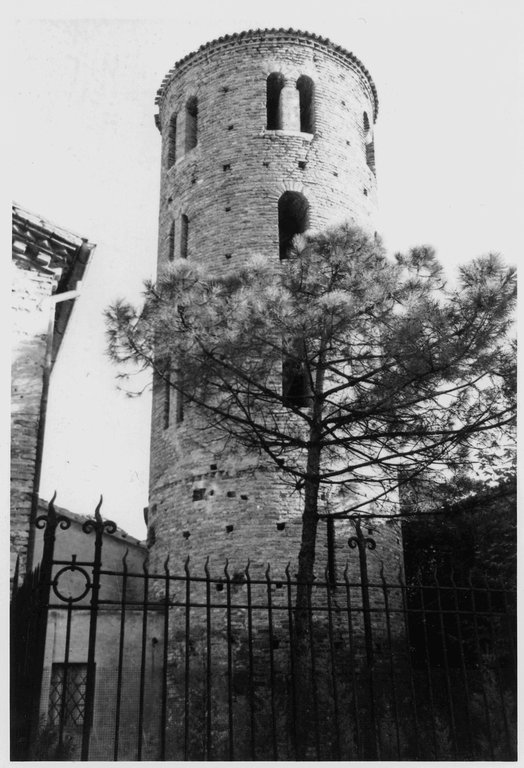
[264,134]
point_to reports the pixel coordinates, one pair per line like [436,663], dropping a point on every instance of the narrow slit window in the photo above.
[167,397]
[184,236]
[179,400]
[293,219]
[306,90]
[275,83]
[171,244]
[369,143]
[191,123]
[171,142]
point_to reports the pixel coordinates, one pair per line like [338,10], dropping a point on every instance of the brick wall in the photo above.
[229,186]
[30,317]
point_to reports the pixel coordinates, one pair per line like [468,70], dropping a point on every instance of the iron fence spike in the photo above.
[98,516]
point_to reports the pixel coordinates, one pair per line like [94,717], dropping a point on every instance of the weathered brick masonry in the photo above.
[46,260]
[219,205]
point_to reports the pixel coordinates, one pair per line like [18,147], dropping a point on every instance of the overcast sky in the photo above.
[85,154]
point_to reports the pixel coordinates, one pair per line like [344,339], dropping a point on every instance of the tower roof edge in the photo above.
[239,37]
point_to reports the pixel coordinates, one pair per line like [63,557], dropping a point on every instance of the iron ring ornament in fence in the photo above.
[76,569]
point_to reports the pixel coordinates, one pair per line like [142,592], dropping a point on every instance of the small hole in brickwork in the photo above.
[343,103]
[213,466]
[265,164]
[230,127]
[219,586]
[281,526]
[198,494]
[335,173]
[365,192]
[348,143]
[186,534]
[228,255]
[278,585]
[244,496]
[228,208]
[229,528]
[169,199]
[211,493]
[225,89]
[194,180]
[227,167]
[231,494]
[301,164]
[280,462]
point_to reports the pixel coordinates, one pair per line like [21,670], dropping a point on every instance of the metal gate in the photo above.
[131,665]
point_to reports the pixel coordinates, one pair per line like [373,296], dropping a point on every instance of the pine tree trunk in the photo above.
[302,630]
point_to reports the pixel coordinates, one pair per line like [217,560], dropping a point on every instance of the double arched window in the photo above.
[289,108]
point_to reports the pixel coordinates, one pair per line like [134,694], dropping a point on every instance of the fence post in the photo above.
[36,642]
[100,527]
[362,543]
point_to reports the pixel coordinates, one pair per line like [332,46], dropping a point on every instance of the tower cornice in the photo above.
[280,35]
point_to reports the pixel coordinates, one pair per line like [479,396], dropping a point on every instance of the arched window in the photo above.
[293,219]
[369,143]
[171,142]
[171,243]
[306,90]
[296,383]
[184,236]
[275,83]
[191,123]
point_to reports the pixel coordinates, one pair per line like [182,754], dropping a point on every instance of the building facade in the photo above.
[264,134]
[47,264]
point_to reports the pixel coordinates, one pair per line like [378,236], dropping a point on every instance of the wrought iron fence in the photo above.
[206,666]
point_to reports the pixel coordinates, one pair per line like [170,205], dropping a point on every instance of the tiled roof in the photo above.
[46,246]
[228,40]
